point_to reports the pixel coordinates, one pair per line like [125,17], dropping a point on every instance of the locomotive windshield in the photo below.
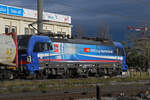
[42,46]
[23,43]
[119,51]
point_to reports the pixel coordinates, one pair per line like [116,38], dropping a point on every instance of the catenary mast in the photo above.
[40,16]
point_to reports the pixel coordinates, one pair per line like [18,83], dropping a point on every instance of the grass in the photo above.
[18,86]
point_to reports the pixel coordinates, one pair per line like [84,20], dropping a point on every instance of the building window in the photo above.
[14,29]
[7,29]
[64,33]
[26,31]
[58,32]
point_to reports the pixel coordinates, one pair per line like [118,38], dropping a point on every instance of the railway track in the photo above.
[79,93]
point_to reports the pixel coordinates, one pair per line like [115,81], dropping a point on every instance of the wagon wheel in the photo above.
[10,75]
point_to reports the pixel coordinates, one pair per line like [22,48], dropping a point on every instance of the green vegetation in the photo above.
[18,86]
[137,52]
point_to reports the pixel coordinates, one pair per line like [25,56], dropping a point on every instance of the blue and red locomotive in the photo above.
[46,57]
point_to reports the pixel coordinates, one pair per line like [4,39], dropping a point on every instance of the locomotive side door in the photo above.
[41,55]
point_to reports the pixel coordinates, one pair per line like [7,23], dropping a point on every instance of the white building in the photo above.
[15,19]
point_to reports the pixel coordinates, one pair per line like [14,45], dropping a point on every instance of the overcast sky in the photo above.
[118,14]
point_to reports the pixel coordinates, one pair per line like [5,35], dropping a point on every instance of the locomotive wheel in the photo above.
[10,76]
[37,75]
[1,75]
[67,73]
[6,74]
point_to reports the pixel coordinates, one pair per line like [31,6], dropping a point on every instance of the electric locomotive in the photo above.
[44,57]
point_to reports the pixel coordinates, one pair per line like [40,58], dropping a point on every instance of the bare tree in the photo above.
[148,31]
[103,31]
[107,35]
[79,31]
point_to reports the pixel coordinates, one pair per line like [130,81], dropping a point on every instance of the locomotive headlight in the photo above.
[29,59]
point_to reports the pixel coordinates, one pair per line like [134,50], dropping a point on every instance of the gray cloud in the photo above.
[31,4]
[116,13]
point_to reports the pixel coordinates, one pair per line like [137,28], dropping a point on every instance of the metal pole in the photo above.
[98,94]
[40,16]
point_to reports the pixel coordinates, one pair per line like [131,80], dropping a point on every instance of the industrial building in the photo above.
[15,19]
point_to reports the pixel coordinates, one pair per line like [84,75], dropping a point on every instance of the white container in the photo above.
[7,50]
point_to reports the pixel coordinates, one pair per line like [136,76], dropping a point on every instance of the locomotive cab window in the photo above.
[42,46]
[119,51]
